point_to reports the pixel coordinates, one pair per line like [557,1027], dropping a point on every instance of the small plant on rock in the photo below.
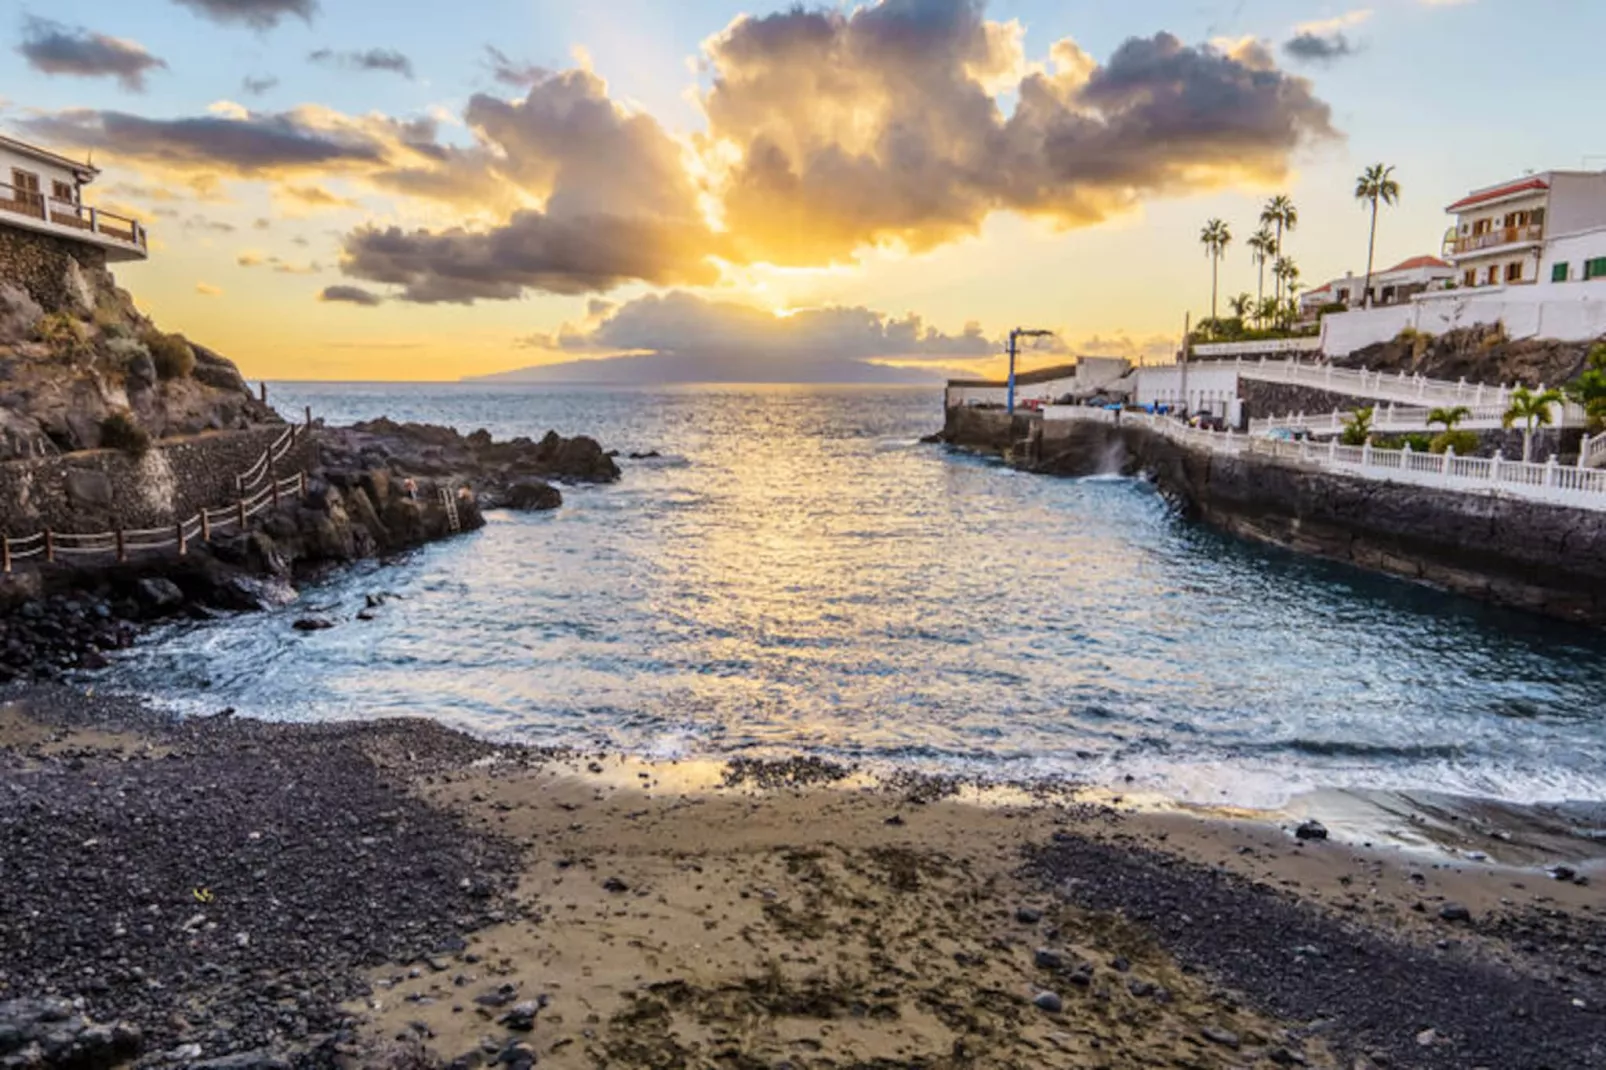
[1465,443]
[63,334]
[120,431]
[172,355]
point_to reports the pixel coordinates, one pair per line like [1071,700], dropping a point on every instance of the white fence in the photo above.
[1399,388]
[1409,418]
[1552,483]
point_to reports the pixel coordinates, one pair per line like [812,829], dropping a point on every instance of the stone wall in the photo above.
[1507,551]
[1264,400]
[51,269]
[102,490]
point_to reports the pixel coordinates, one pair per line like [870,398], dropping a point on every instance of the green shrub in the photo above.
[172,355]
[63,334]
[1465,442]
[120,431]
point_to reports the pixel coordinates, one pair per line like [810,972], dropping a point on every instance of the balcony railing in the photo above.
[1497,237]
[36,205]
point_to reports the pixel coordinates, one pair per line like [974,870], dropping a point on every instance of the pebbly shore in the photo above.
[222,893]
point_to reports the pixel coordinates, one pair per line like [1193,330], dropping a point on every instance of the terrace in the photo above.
[122,238]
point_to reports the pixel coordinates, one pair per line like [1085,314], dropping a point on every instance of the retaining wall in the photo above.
[51,269]
[103,490]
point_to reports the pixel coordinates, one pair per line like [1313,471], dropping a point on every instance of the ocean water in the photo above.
[798,574]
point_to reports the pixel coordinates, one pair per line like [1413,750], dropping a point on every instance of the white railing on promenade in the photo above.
[1399,387]
[1262,347]
[1592,451]
[1408,418]
[1550,482]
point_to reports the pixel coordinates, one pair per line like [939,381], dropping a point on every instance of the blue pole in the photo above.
[1012,336]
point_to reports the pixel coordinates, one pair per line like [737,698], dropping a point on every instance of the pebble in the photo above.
[1046,958]
[1455,912]
[1217,1035]
[1311,830]
[1028,915]
[1048,1001]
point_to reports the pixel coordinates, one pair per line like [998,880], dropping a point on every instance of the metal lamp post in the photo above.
[1014,351]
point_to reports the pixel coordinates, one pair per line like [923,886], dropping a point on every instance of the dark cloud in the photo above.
[618,205]
[372,59]
[257,85]
[1319,47]
[352,295]
[510,72]
[257,146]
[882,124]
[257,14]
[54,48]
[685,324]
[533,251]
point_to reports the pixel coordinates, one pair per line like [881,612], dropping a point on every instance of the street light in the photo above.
[1014,351]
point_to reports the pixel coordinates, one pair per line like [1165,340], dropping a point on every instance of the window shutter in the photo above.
[1558,272]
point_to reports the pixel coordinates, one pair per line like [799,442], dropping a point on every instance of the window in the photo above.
[1482,226]
[63,191]
[1558,272]
[1493,278]
[1596,268]
[1514,271]
[1470,277]
[25,187]
[1388,295]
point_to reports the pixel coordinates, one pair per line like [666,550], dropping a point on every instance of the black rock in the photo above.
[533,496]
[1048,1001]
[1455,912]
[521,1018]
[1562,873]
[313,624]
[1046,958]
[158,596]
[1216,1035]
[615,885]
[1311,830]
[1028,915]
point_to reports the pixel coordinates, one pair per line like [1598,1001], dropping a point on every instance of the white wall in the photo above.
[998,395]
[1577,203]
[1573,251]
[48,173]
[1210,386]
[1572,313]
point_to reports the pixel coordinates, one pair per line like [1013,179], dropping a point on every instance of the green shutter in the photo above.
[1558,272]
[1597,268]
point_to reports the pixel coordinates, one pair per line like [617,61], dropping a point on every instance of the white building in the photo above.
[1506,234]
[1393,286]
[1040,387]
[42,192]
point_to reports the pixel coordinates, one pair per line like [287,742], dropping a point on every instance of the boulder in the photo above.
[533,496]
[89,489]
[157,596]
[582,459]
[19,313]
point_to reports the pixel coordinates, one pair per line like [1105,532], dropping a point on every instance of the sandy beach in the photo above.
[397,894]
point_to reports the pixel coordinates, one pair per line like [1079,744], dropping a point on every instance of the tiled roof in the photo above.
[1417,262]
[1521,186]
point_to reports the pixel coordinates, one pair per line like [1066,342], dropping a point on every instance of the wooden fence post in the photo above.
[263,392]
[122,548]
[303,478]
[206,526]
[241,514]
[183,541]
[5,552]
[50,546]
[273,483]
[309,417]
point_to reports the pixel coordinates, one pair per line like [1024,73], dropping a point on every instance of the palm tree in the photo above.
[1241,305]
[1262,248]
[1280,213]
[1267,311]
[1287,274]
[1216,237]
[1449,417]
[1375,185]
[1533,410]
[1357,427]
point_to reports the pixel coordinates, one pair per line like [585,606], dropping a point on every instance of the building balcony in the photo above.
[122,238]
[1496,238]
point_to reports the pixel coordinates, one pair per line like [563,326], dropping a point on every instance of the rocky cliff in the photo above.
[95,372]
[1481,354]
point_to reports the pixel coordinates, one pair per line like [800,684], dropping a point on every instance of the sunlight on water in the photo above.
[798,573]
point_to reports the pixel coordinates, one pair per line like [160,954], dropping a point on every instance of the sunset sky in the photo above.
[355,189]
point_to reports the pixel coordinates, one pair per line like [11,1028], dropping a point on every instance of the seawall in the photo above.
[1511,552]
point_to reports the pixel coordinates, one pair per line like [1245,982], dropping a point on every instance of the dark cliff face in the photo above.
[1479,354]
[1505,551]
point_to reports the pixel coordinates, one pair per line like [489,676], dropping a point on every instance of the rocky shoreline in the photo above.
[227,894]
[375,492]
